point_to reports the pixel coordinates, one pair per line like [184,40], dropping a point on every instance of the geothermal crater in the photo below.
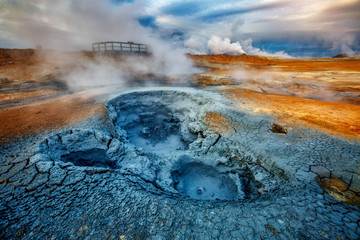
[168,158]
[203,182]
[158,140]
[149,125]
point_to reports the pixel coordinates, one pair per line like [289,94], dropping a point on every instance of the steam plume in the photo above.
[218,45]
[74,25]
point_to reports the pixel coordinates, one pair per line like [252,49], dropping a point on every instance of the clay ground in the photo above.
[99,182]
[318,93]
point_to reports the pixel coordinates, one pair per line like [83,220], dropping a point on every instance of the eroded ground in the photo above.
[233,160]
[319,93]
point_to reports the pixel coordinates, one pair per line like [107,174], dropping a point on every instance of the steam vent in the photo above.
[178,164]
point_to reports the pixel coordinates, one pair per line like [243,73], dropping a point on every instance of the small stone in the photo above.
[321,171]
[278,128]
[4,80]
[44,166]
[57,175]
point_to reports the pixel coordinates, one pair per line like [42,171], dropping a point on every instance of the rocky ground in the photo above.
[174,162]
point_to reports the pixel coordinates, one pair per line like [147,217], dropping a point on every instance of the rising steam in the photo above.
[73,25]
[220,45]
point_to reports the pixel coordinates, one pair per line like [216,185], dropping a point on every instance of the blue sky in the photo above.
[292,27]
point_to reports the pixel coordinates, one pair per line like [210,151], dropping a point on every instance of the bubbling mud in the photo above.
[161,138]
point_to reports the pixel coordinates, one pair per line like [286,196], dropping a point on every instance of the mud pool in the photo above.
[158,169]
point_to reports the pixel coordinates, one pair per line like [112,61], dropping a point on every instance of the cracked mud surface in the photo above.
[180,164]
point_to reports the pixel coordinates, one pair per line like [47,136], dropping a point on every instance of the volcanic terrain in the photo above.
[251,147]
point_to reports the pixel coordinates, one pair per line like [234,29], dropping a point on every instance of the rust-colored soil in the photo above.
[335,118]
[330,79]
[23,121]
[25,74]
[218,123]
[27,94]
[318,93]
[314,64]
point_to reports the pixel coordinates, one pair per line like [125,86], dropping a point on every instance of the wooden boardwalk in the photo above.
[112,47]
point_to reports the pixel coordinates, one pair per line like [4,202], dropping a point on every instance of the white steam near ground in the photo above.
[74,25]
[287,84]
[94,73]
[107,71]
[218,45]
[251,50]
[344,41]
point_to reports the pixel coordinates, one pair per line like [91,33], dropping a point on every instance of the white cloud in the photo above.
[71,24]
[77,23]
[283,20]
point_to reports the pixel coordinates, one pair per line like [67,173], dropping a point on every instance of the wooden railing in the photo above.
[120,47]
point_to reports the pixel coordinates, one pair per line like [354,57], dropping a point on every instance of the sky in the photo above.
[287,28]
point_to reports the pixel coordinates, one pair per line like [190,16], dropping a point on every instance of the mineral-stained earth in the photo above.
[214,158]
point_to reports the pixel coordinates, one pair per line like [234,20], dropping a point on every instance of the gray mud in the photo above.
[157,171]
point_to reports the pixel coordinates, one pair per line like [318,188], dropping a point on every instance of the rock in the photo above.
[44,166]
[4,80]
[57,175]
[339,190]
[39,157]
[277,128]
[321,171]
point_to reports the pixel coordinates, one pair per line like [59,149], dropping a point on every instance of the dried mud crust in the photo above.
[250,183]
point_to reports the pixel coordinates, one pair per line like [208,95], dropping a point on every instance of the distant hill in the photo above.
[345,55]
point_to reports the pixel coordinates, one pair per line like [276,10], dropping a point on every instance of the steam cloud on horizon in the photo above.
[218,45]
[261,27]
[305,28]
